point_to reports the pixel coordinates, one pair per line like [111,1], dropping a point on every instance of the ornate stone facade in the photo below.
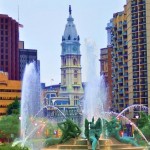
[71,82]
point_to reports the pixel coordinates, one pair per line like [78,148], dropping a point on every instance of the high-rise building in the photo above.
[71,82]
[9,90]
[131,57]
[105,70]
[109,33]
[25,57]
[138,18]
[9,52]
[106,64]
[120,62]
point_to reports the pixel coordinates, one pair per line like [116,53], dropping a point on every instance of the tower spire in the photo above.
[70,11]
[71,83]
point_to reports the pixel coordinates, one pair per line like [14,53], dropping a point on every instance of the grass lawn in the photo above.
[8,147]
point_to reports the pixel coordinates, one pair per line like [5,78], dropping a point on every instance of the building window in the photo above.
[63,89]
[69,37]
[75,73]
[64,73]
[74,62]
[2,20]
[2,38]
[102,65]
[75,102]
[64,82]
[6,38]
[64,62]
[6,20]
[2,44]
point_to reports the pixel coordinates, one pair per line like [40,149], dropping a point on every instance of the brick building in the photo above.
[9,52]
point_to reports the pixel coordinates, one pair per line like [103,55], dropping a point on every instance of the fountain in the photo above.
[95,98]
[32,118]
[94,105]
[133,106]
[95,90]
[118,115]
[30,105]
[30,97]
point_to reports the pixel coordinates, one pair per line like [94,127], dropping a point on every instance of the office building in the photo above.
[131,57]
[26,56]
[120,62]
[9,90]
[106,64]
[138,19]
[9,52]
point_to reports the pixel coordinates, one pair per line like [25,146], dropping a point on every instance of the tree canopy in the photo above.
[14,108]
[9,127]
[144,124]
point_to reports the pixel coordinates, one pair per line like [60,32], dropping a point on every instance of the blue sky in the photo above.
[44,23]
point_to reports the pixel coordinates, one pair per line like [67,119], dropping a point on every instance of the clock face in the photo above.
[75,48]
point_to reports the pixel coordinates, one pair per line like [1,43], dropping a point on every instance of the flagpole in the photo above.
[18,10]
[51,81]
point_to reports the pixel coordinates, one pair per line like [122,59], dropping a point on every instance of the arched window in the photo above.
[75,73]
[69,37]
[64,73]
[64,61]
[74,62]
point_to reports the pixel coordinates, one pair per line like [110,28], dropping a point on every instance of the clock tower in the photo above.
[71,82]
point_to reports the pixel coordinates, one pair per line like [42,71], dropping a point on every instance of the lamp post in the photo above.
[131,129]
[137,117]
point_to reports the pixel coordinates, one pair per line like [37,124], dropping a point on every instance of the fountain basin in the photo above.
[103,144]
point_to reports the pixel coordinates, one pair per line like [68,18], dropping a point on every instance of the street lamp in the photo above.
[20,118]
[137,116]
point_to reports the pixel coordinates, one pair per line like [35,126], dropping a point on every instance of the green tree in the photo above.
[9,127]
[14,108]
[143,124]
[143,120]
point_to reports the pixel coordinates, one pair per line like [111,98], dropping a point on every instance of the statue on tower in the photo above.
[70,9]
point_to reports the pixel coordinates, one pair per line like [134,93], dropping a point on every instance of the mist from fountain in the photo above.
[32,118]
[49,107]
[30,105]
[95,89]
[30,102]
[95,98]
[133,106]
